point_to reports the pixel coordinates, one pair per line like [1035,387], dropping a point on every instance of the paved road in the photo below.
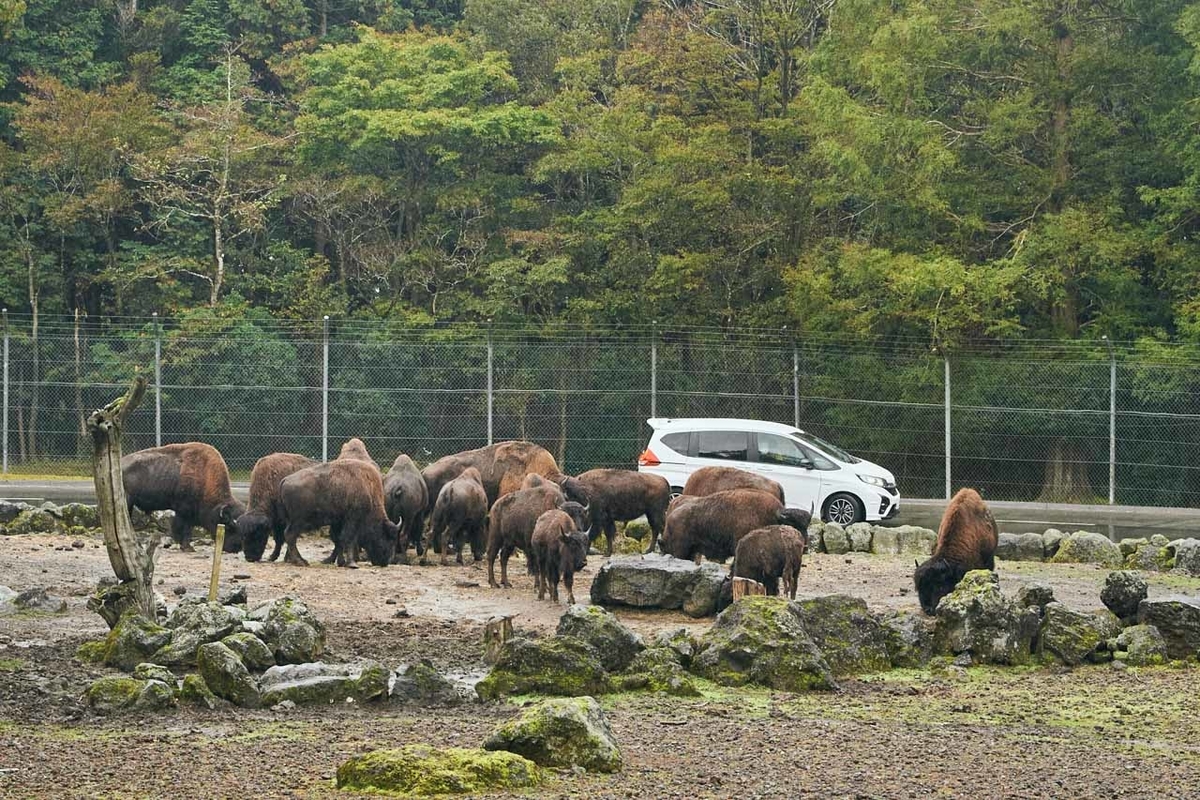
[1113,521]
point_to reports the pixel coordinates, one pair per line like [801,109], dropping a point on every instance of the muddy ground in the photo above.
[1018,733]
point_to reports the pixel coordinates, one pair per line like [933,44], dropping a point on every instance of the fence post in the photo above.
[795,385]
[490,398]
[654,370]
[5,432]
[325,390]
[1112,422]
[157,381]
[946,361]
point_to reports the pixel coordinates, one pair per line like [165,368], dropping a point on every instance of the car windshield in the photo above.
[828,447]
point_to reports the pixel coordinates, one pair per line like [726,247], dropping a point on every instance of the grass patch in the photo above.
[11,664]
[276,731]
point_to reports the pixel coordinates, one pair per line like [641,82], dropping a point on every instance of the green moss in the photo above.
[11,664]
[113,693]
[195,691]
[625,546]
[91,652]
[636,530]
[425,771]
[558,666]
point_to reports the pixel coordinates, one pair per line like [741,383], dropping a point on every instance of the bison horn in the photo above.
[916,563]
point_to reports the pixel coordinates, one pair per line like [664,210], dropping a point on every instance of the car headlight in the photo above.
[873,481]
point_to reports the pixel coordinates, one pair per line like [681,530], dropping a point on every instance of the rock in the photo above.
[903,540]
[1130,546]
[34,520]
[234,597]
[847,634]
[134,639]
[977,618]
[657,581]
[226,675]
[1158,540]
[154,672]
[836,540]
[1051,540]
[1073,637]
[1140,646]
[908,637]
[422,685]
[1187,556]
[816,537]
[1123,591]
[91,652]
[1086,547]
[637,530]
[616,644]
[195,691]
[680,641]
[562,733]
[1150,558]
[423,771]
[322,684]
[251,650]
[659,670]
[10,511]
[558,666]
[39,601]
[1020,547]
[193,624]
[155,696]
[78,515]
[78,544]
[1177,619]
[761,640]
[1035,594]
[112,693]
[293,633]
[859,534]
[179,591]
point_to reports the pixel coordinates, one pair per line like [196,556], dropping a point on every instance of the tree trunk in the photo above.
[79,412]
[1066,477]
[131,555]
[744,587]
[496,632]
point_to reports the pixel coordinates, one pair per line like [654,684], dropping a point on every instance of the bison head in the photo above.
[578,514]
[798,518]
[573,489]
[381,546]
[575,549]
[253,529]
[935,579]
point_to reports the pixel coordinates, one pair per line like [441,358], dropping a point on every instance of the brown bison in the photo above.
[404,496]
[503,467]
[190,479]
[966,540]
[346,495]
[460,515]
[768,554]
[511,522]
[711,526]
[264,514]
[710,480]
[557,549]
[355,450]
[619,495]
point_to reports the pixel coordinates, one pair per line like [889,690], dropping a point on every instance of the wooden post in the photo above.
[131,555]
[218,551]
[496,632]
[744,587]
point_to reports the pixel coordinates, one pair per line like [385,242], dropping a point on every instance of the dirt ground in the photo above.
[1021,733]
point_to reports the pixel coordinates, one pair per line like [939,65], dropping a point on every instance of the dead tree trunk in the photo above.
[131,555]
[744,587]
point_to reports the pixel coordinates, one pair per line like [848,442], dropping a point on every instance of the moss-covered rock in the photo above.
[193,624]
[562,665]
[92,652]
[195,692]
[1140,646]
[155,696]
[1186,556]
[1051,540]
[1035,594]
[421,684]
[1088,547]
[322,684]
[253,652]
[1130,546]
[563,732]
[134,639]
[112,693]
[637,530]
[1123,591]
[847,634]
[761,640]
[34,520]
[977,619]
[903,540]
[1150,558]
[860,535]
[908,638]
[627,546]
[1020,547]
[291,630]
[78,515]
[1178,620]
[154,672]
[227,676]
[424,771]
[1073,637]
[681,641]
[659,670]
[835,538]
[616,644]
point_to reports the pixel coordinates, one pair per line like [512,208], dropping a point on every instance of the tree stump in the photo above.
[496,632]
[744,587]
[131,554]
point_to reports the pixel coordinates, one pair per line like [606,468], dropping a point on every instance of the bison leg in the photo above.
[552,576]
[491,561]
[610,533]
[293,552]
[568,580]
[654,532]
[505,554]
[444,550]
[278,533]
[181,532]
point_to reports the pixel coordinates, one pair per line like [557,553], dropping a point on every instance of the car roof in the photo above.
[718,424]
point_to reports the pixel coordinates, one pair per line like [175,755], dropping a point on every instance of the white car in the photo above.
[813,472]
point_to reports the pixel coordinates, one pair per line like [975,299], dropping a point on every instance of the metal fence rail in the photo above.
[1081,422]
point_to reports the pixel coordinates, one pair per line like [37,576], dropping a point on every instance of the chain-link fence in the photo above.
[1079,422]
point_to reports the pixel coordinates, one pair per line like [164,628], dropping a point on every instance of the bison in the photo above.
[503,467]
[346,495]
[768,554]
[190,479]
[710,480]
[619,495]
[966,540]
[264,515]
[557,549]
[460,515]
[711,526]
[511,522]
[405,498]
[355,450]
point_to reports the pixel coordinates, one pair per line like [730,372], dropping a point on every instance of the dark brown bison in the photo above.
[460,515]
[355,450]
[511,522]
[557,549]
[190,479]
[768,554]
[710,480]
[966,540]
[346,495]
[404,496]
[264,514]
[712,525]
[503,467]
[619,495]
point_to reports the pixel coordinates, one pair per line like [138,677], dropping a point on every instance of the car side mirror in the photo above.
[807,463]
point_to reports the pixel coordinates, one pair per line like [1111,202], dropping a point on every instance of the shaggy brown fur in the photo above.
[355,450]
[557,549]
[404,495]
[511,523]
[966,540]
[460,515]
[346,495]
[710,480]
[768,554]
[619,495]
[711,526]
[264,514]
[502,466]
[190,479]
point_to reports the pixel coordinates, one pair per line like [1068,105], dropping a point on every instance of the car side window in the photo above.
[819,461]
[729,445]
[677,442]
[773,449]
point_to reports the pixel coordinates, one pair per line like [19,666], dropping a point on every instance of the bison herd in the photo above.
[507,497]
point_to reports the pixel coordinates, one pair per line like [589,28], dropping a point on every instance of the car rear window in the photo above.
[729,445]
[677,442]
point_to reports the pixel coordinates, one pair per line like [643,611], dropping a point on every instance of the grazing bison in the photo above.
[264,515]
[346,495]
[619,495]
[511,523]
[768,554]
[460,515]
[710,480]
[557,549]
[190,479]
[503,467]
[355,450]
[404,496]
[966,541]
[711,526]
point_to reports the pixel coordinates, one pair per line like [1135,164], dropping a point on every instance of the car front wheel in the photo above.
[844,509]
